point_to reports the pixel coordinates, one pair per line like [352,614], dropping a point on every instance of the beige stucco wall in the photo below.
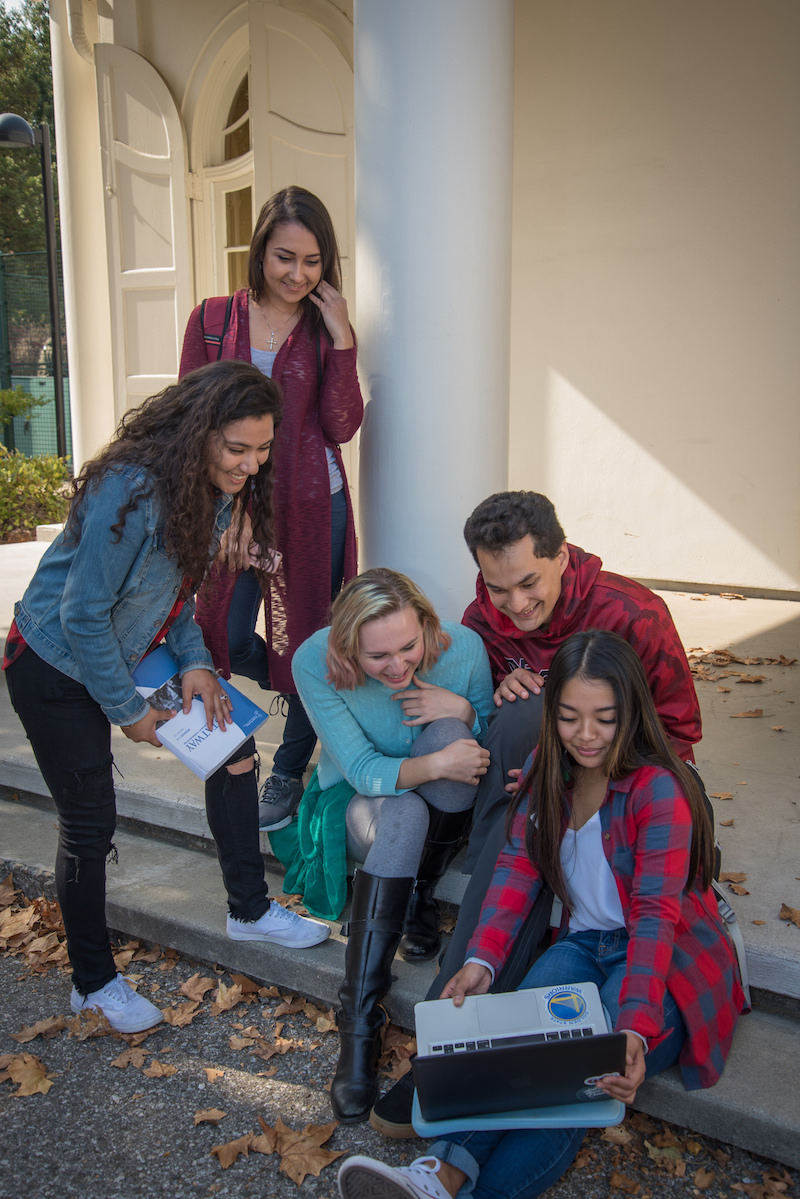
[656,286]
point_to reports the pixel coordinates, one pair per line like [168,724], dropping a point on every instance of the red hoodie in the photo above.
[592,598]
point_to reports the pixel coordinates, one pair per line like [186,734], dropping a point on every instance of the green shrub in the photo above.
[15,401]
[33,490]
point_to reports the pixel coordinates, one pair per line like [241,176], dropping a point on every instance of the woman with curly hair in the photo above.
[292,323]
[145,521]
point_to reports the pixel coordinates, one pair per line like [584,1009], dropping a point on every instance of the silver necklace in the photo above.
[273,333]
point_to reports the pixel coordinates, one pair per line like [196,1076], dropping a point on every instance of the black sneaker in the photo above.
[278,802]
[391,1115]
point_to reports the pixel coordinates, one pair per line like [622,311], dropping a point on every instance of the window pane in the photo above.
[241,103]
[237,270]
[238,218]
[237,142]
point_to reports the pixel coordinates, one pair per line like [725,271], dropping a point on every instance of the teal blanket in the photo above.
[313,848]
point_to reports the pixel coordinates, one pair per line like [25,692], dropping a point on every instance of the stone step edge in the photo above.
[184,816]
[729,1112]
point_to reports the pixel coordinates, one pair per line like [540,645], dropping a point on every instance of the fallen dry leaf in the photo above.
[211,1074]
[616,1135]
[790,914]
[732,876]
[731,595]
[301,1152]
[758,922]
[158,1069]
[703,1178]
[738,889]
[8,892]
[290,1006]
[720,795]
[28,1072]
[228,1153]
[751,678]
[724,690]
[209,1115]
[227,998]
[727,823]
[777,728]
[196,987]
[89,1023]
[132,1056]
[248,986]
[181,1014]
[756,712]
[47,1028]
[671,1152]
[618,1181]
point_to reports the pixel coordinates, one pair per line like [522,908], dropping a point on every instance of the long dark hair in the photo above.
[640,740]
[295,206]
[168,435]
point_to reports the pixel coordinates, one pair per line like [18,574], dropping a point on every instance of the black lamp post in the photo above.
[15,132]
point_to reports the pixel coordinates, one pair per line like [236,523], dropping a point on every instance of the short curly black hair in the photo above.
[508,516]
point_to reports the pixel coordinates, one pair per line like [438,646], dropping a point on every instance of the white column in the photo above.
[434,124]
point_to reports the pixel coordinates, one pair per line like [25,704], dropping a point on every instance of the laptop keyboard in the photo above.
[534,1038]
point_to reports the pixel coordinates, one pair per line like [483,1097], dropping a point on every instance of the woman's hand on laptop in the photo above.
[472,979]
[624,1088]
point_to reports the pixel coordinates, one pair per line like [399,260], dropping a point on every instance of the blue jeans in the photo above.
[521,1164]
[248,650]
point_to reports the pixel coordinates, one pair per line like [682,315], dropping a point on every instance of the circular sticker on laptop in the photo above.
[566,1005]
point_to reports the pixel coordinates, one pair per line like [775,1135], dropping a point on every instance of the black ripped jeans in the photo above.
[71,740]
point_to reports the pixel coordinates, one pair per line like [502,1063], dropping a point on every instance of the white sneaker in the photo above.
[366,1178]
[281,927]
[125,1010]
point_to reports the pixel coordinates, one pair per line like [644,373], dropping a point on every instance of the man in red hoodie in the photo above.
[535,590]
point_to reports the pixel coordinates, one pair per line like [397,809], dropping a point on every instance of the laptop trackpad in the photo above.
[516,1011]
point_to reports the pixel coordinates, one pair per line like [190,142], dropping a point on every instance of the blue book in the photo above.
[188,737]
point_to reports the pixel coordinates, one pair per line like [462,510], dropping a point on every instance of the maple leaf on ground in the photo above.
[89,1023]
[158,1069]
[182,1014]
[132,1056]
[8,892]
[196,987]
[227,1154]
[27,1071]
[248,986]
[209,1115]
[733,876]
[738,889]
[727,824]
[212,1074]
[620,1183]
[147,955]
[301,1152]
[791,914]
[237,1043]
[720,795]
[289,1006]
[47,1028]
[227,998]
[122,959]
[703,1178]
[616,1135]
[752,678]
[751,715]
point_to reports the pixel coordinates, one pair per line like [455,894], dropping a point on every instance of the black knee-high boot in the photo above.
[374,930]
[421,939]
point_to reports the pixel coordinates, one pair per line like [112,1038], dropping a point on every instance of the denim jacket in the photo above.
[96,603]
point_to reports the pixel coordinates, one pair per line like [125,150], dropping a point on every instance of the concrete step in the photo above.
[172,894]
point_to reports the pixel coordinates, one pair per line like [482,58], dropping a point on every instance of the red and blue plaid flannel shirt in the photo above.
[677,940]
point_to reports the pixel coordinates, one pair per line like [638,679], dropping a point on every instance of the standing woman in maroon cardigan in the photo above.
[292,323]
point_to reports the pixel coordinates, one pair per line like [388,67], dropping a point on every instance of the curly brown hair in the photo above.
[168,436]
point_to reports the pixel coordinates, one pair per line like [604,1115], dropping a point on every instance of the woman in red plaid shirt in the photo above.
[616,826]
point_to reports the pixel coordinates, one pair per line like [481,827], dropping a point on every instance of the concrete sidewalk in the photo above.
[167,887]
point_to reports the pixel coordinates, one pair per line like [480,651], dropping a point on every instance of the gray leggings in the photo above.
[387,832]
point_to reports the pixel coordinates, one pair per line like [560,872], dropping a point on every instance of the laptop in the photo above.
[542,1047]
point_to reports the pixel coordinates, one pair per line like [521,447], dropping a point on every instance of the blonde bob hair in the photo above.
[371,596]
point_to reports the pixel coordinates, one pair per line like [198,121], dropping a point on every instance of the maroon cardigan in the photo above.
[298,599]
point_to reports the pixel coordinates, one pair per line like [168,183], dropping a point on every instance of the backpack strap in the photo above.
[215,316]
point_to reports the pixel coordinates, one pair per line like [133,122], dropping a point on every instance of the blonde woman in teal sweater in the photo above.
[399,701]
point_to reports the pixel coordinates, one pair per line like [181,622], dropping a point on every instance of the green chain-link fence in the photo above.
[26,353]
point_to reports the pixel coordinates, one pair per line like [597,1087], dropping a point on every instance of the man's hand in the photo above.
[625,1087]
[206,685]
[472,979]
[519,683]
